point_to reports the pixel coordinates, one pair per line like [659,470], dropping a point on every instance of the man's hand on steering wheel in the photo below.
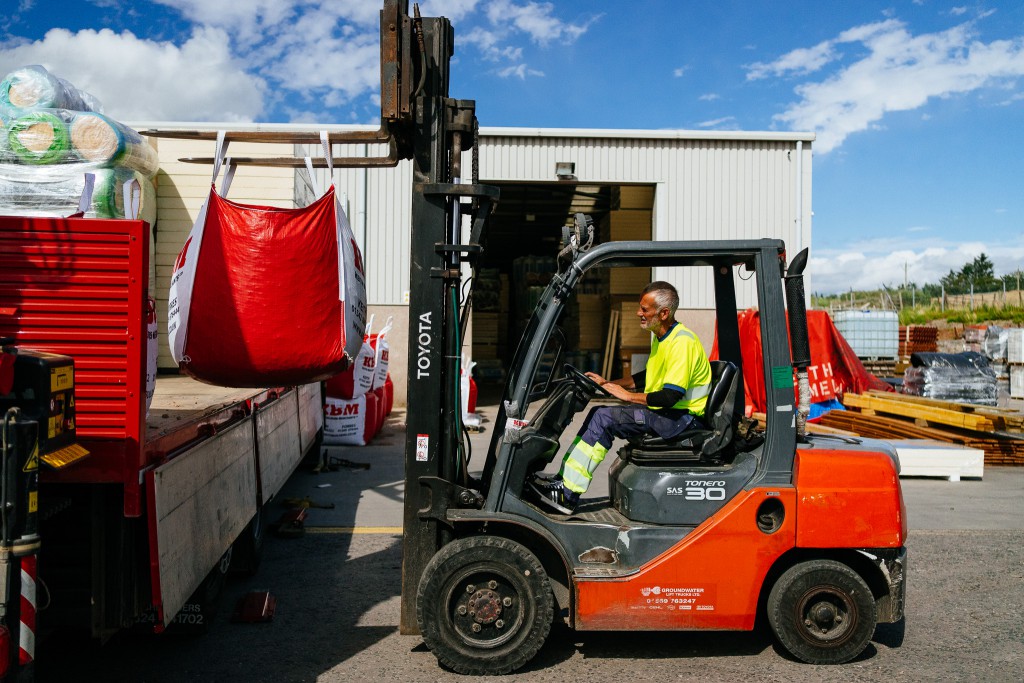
[586,382]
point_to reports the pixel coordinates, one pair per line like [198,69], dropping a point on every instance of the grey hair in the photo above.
[665,295]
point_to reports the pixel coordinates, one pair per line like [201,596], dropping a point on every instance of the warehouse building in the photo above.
[661,185]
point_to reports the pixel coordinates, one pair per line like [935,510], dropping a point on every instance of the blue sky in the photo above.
[917,105]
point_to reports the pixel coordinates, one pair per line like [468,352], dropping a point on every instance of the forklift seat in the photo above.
[710,443]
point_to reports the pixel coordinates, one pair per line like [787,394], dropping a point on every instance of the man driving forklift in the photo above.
[665,399]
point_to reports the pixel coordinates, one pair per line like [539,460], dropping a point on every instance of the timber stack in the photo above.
[883,415]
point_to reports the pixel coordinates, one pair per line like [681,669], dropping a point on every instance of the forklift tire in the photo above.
[822,612]
[484,605]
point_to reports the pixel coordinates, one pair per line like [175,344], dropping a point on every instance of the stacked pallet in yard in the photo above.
[997,431]
[918,339]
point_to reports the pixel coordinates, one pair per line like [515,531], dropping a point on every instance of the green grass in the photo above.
[980,314]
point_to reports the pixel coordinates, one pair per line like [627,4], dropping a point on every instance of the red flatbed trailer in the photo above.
[154,513]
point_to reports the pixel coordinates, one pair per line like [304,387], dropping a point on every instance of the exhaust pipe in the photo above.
[798,339]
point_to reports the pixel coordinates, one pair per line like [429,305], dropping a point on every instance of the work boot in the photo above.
[553,496]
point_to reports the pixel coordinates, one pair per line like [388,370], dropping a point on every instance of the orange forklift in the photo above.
[707,532]
[703,533]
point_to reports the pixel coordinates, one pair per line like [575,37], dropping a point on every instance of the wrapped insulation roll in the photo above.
[33,87]
[40,137]
[98,139]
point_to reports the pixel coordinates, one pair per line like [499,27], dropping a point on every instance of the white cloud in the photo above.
[248,21]
[726,122]
[453,10]
[868,265]
[536,20]
[900,72]
[520,71]
[957,11]
[709,97]
[679,71]
[147,80]
[509,21]
[801,61]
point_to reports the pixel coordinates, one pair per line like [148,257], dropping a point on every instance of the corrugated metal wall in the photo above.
[724,186]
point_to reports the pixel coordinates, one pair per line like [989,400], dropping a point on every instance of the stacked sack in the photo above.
[361,397]
[51,135]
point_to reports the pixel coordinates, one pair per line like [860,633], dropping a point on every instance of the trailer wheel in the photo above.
[484,605]
[822,612]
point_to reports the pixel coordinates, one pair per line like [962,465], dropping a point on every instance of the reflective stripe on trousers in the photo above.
[579,465]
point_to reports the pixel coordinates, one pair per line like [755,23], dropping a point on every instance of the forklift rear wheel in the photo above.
[822,612]
[484,605]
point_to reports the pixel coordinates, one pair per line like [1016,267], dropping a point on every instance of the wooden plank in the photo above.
[953,418]
[277,438]
[203,499]
[311,414]
[1004,419]
[940,403]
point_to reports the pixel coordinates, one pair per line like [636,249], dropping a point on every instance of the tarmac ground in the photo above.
[337,593]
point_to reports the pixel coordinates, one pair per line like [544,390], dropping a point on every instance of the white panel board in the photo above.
[203,500]
[919,458]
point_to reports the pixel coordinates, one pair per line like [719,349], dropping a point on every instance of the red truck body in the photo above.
[157,502]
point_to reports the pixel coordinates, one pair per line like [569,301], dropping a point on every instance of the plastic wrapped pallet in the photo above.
[995,342]
[1015,345]
[963,377]
[39,191]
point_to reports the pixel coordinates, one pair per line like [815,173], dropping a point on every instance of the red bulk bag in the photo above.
[389,395]
[265,296]
[382,407]
[355,380]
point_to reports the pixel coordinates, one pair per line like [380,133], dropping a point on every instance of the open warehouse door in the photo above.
[519,259]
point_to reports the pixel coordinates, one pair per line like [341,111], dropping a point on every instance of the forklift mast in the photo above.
[440,130]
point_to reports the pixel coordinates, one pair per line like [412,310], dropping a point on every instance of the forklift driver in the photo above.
[665,399]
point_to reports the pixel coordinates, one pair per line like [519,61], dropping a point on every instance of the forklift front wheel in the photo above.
[484,605]
[822,612]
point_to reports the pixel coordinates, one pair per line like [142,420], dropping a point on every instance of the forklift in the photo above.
[711,531]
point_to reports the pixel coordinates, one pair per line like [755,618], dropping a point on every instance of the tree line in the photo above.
[976,276]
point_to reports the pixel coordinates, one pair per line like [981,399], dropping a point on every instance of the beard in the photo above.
[645,323]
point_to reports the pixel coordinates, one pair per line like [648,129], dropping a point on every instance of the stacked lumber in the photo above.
[918,339]
[999,432]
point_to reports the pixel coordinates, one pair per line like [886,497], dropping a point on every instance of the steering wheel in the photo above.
[584,383]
